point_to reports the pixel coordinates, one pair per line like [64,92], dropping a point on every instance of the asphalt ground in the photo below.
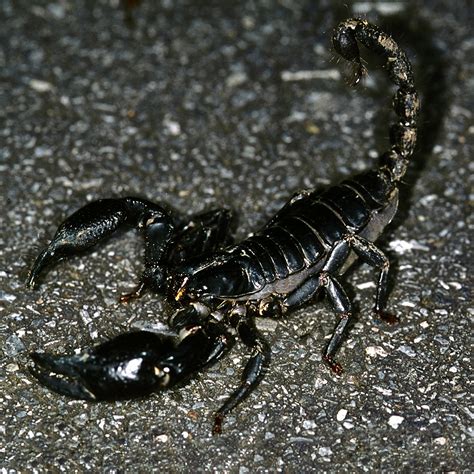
[236,104]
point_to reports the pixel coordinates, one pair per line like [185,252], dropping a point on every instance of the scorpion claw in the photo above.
[131,365]
[63,365]
[45,258]
[49,371]
[128,366]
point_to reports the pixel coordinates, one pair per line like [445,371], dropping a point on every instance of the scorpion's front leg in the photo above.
[133,364]
[326,280]
[98,220]
[254,369]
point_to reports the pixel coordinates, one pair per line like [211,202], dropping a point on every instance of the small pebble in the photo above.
[341,414]
[374,351]
[395,421]
[40,86]
[325,451]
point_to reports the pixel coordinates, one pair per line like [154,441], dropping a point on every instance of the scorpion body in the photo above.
[218,288]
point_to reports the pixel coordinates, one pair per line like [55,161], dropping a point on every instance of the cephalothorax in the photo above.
[218,288]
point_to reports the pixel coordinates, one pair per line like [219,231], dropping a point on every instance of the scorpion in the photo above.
[217,287]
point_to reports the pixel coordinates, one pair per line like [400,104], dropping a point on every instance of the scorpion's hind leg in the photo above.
[253,373]
[372,255]
[98,220]
[325,280]
[341,303]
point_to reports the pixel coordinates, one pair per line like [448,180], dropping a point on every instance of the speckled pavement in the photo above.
[235,105]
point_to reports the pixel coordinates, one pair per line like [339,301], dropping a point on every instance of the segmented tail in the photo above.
[405,101]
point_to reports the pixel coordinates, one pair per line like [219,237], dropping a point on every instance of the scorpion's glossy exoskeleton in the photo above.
[218,288]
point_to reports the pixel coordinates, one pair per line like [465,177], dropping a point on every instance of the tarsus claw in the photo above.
[217,428]
[134,294]
[45,258]
[333,365]
[387,317]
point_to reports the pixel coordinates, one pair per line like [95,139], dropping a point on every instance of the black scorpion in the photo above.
[218,288]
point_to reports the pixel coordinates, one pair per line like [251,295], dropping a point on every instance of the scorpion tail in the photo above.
[405,101]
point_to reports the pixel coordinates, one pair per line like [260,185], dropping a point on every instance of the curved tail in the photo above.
[405,101]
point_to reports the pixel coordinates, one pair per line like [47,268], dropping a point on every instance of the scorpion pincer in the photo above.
[217,287]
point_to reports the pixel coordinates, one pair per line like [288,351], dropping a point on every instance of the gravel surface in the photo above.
[235,105]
